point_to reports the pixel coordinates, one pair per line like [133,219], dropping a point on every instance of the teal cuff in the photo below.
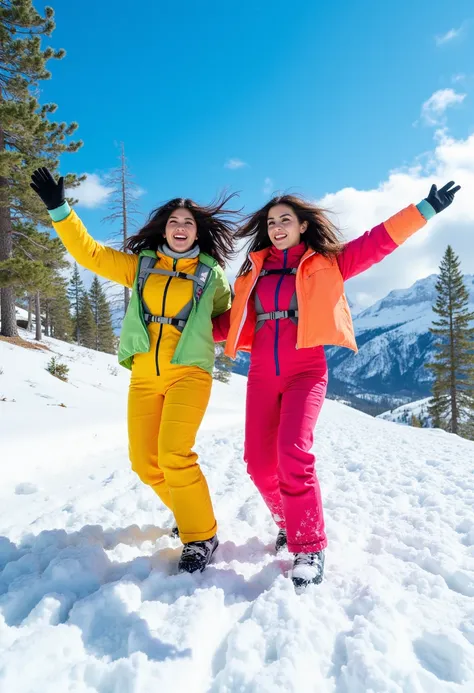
[426,209]
[61,212]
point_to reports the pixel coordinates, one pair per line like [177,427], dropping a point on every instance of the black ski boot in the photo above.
[197,555]
[308,569]
[281,541]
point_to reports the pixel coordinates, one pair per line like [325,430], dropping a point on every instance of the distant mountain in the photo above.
[394,342]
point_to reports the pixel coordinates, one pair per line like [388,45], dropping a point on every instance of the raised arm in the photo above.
[102,260]
[366,250]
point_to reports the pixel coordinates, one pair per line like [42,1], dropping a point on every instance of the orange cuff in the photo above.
[404,224]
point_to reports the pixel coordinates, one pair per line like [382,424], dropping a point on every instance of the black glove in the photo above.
[45,186]
[442,198]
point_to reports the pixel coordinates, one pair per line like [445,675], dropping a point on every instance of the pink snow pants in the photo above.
[282,412]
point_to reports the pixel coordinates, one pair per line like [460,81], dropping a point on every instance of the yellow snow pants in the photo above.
[164,415]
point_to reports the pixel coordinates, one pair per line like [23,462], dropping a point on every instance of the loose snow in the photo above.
[89,595]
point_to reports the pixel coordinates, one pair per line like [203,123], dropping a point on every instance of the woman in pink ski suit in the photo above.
[289,302]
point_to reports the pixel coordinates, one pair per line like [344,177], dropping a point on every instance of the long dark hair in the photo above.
[321,234]
[215,224]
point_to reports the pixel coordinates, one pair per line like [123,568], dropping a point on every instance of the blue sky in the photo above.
[312,96]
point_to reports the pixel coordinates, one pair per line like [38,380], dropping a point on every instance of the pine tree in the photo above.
[28,138]
[123,207]
[223,365]
[58,312]
[29,326]
[75,291]
[86,323]
[452,403]
[416,421]
[44,257]
[103,333]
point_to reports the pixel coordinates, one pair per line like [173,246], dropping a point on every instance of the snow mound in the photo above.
[89,595]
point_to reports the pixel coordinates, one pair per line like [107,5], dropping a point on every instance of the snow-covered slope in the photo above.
[404,414]
[394,344]
[89,598]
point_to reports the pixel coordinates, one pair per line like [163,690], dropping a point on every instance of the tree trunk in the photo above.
[29,326]
[126,290]
[453,393]
[8,316]
[38,316]
[47,324]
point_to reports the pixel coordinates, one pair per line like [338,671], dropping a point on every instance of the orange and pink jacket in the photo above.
[324,314]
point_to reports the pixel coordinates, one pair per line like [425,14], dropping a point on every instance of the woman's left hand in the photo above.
[442,198]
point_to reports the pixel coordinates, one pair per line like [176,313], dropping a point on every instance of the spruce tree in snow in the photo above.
[46,258]
[86,323]
[75,291]
[452,403]
[58,312]
[28,138]
[36,259]
[103,332]
[416,421]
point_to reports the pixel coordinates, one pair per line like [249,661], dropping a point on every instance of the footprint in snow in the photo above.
[25,489]
[433,463]
[442,656]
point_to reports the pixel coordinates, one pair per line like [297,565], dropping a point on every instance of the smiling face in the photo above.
[181,230]
[284,228]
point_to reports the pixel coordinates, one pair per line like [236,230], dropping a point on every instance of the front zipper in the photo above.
[163,307]
[277,322]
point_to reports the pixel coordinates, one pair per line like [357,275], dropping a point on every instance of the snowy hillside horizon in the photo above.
[89,596]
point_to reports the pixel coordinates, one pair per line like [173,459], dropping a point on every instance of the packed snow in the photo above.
[89,595]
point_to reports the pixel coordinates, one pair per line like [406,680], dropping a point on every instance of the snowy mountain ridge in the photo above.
[394,344]
[89,596]
[394,340]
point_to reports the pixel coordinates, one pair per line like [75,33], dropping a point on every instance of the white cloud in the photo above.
[355,211]
[448,36]
[234,164]
[358,210]
[435,107]
[458,78]
[268,186]
[93,192]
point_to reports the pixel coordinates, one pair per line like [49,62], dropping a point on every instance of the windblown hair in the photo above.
[321,234]
[215,225]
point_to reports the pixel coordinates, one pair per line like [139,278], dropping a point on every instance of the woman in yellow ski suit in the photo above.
[174,266]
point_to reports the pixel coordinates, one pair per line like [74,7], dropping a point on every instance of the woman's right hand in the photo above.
[45,186]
